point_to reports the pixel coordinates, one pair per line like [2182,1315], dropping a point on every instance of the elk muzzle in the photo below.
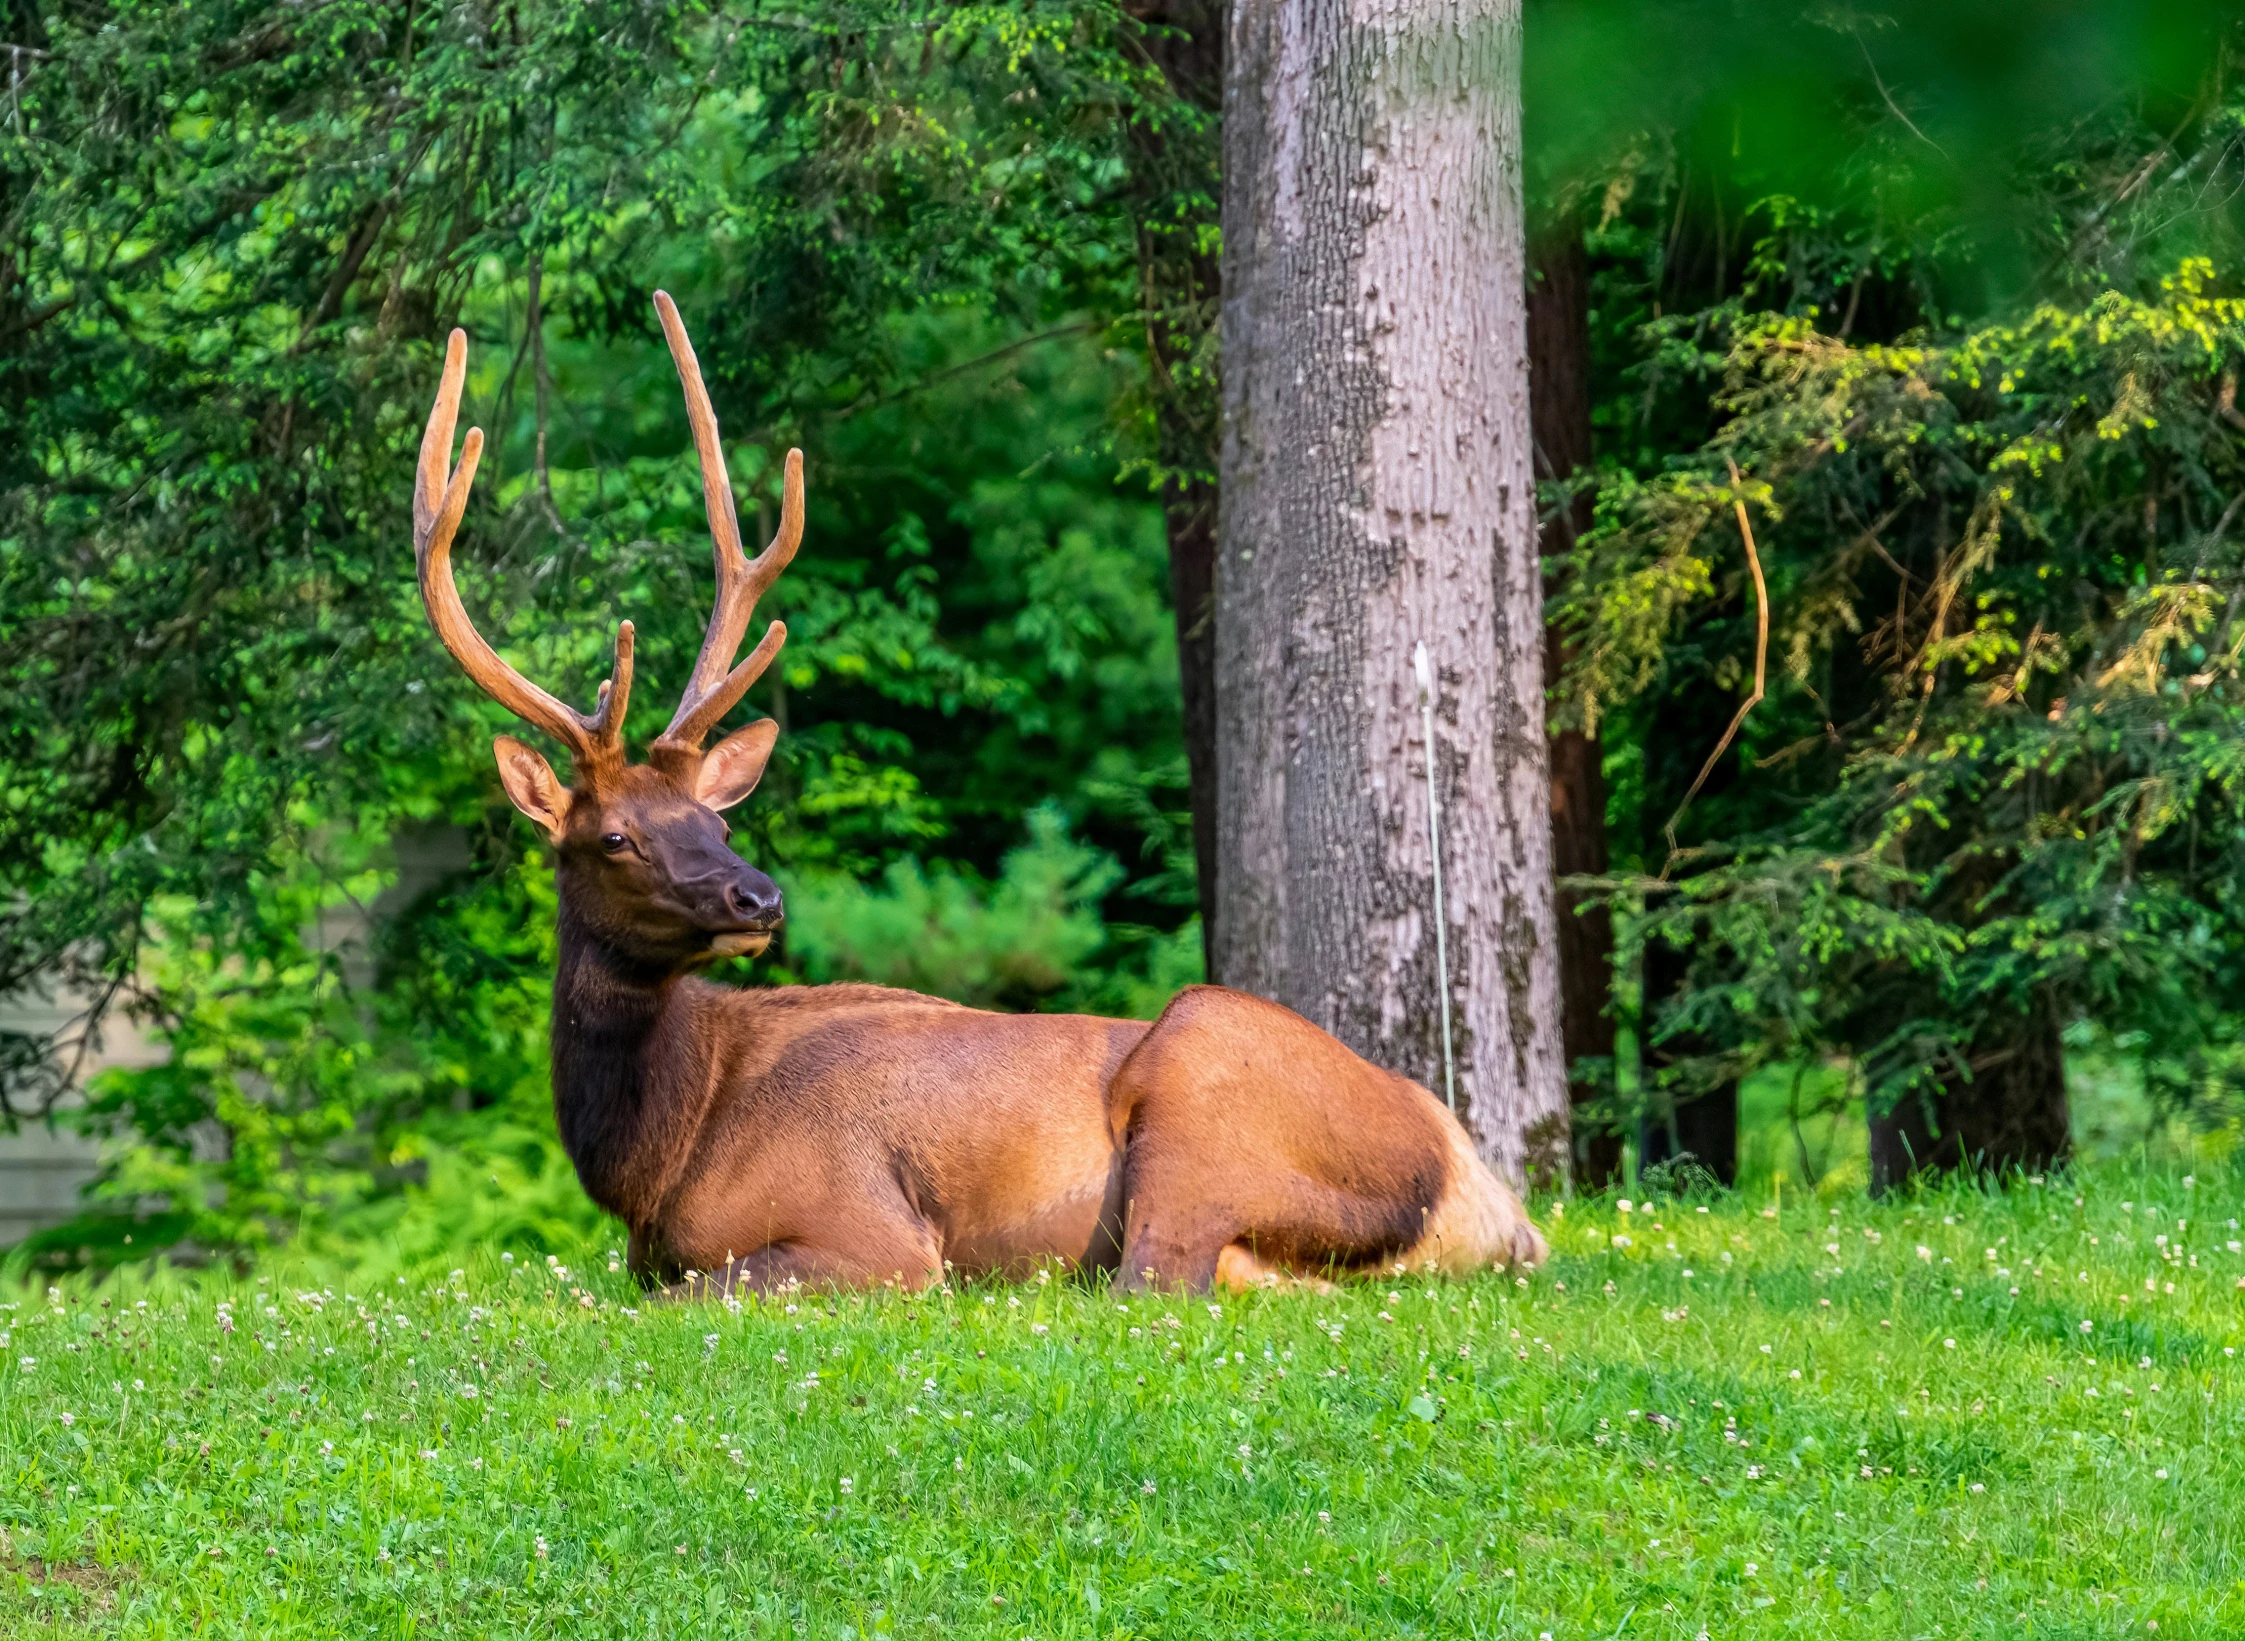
[755,900]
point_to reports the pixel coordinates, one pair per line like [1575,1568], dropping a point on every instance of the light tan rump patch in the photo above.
[1479,1223]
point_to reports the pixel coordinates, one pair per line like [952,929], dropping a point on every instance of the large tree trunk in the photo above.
[1559,409]
[1377,492]
[2010,1115]
[1172,166]
[1698,1128]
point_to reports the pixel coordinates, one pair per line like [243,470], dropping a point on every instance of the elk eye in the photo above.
[614,843]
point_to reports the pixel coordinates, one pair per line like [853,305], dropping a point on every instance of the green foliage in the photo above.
[1017,942]
[2005,698]
[1030,939]
[905,237]
[1967,345]
[1992,155]
[1810,1417]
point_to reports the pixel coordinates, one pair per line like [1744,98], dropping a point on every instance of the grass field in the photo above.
[1959,1415]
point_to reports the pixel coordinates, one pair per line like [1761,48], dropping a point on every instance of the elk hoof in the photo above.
[1528,1246]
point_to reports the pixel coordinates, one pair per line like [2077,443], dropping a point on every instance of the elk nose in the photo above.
[754,898]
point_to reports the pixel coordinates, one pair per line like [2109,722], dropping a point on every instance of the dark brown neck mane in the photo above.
[610,1097]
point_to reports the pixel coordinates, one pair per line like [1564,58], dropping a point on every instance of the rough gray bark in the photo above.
[1377,491]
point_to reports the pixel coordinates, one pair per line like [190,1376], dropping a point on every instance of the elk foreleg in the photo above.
[903,1257]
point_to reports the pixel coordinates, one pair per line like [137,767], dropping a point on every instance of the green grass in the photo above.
[1720,1426]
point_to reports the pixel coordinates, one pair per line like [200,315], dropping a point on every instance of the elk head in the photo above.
[640,848]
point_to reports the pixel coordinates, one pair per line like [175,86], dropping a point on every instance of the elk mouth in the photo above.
[741,943]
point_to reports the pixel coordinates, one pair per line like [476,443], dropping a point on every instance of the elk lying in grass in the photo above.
[855,1134]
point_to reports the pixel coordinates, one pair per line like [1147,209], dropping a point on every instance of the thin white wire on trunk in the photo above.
[1425,672]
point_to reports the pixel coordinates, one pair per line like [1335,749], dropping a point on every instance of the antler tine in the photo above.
[438,503]
[712,690]
[607,720]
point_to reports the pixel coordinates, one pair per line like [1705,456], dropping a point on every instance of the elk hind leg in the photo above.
[1256,1142]
[1193,1226]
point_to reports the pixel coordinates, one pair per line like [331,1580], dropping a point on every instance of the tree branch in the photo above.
[1761,663]
[992,357]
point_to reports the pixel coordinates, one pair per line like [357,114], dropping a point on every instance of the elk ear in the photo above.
[734,765]
[532,784]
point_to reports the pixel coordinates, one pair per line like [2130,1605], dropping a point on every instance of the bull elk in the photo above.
[853,1134]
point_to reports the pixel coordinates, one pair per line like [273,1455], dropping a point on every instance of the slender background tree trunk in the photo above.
[1190,509]
[2011,1114]
[1178,278]
[1703,1127]
[1559,410]
[1377,492]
